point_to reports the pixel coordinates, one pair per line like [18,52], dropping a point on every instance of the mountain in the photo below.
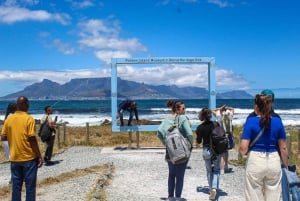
[280,92]
[99,88]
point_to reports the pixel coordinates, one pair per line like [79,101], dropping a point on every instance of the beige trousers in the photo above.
[263,177]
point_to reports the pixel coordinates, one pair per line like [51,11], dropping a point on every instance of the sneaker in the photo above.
[49,163]
[212,194]
[226,167]
[227,170]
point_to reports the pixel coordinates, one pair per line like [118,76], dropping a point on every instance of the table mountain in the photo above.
[99,88]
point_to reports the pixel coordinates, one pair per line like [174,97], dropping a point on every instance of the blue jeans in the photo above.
[131,113]
[212,168]
[285,187]
[290,183]
[176,179]
[24,172]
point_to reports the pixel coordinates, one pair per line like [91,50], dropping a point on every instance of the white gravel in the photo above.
[140,174]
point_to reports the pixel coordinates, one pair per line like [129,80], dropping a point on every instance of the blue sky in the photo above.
[256,43]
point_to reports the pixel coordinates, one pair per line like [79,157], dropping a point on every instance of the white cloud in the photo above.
[96,27]
[106,55]
[228,79]
[13,14]
[82,4]
[63,47]
[47,40]
[101,34]
[163,75]
[220,3]
[63,76]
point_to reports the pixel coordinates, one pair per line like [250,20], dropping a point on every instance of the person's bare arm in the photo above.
[35,147]
[283,152]
[244,146]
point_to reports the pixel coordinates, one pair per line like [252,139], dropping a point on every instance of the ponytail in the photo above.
[264,106]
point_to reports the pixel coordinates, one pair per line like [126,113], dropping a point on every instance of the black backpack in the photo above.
[218,140]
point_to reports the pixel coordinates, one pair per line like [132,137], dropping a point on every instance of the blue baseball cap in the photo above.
[268,92]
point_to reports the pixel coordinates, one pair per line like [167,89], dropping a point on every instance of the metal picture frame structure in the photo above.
[209,61]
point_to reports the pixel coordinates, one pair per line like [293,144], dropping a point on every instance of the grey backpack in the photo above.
[178,147]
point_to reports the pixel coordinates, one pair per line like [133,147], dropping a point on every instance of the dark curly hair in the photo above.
[205,114]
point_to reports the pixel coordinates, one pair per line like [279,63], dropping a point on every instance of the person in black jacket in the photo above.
[212,163]
[131,107]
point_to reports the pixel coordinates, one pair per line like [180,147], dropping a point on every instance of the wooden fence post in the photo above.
[289,146]
[298,139]
[58,136]
[138,139]
[87,135]
[64,132]
[129,139]
[238,143]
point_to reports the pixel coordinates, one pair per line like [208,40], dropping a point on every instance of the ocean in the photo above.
[94,112]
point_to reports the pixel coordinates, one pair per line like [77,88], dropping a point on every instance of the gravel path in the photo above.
[140,174]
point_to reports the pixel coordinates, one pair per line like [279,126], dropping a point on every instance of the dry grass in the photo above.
[294,151]
[102,169]
[98,136]
[104,137]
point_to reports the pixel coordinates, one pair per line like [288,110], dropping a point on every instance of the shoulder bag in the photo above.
[255,139]
[45,131]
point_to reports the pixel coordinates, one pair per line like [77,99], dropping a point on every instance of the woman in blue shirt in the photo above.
[176,171]
[263,167]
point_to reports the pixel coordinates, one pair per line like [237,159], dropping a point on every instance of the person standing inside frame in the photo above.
[263,168]
[131,107]
[49,143]
[25,155]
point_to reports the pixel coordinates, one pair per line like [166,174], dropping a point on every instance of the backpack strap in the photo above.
[176,121]
[46,120]
[214,124]
[177,124]
[257,137]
